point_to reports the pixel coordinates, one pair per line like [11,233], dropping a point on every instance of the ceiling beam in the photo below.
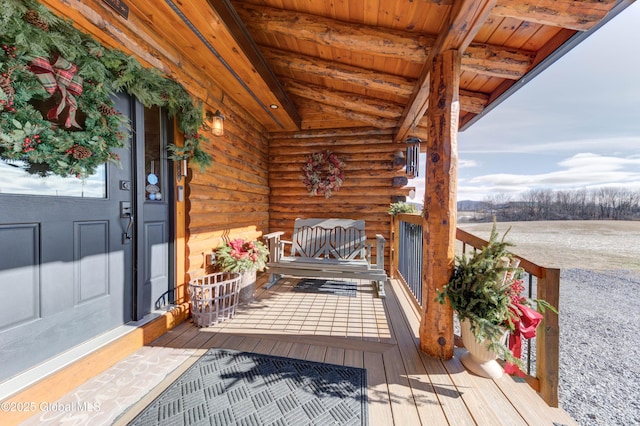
[377,109]
[284,62]
[333,33]
[372,120]
[350,101]
[465,20]
[510,64]
[580,15]
[384,42]
[473,102]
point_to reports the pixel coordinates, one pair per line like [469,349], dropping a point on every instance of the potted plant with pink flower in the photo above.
[245,258]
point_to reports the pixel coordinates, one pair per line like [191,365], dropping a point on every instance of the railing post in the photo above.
[394,247]
[548,338]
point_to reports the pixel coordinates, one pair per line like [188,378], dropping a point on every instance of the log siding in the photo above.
[365,194]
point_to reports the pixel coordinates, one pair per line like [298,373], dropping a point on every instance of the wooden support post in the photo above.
[439,221]
[548,338]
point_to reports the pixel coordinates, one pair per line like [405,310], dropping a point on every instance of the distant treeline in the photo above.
[546,204]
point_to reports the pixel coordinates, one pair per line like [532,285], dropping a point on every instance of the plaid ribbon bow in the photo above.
[59,76]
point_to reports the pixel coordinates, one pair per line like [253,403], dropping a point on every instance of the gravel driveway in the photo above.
[599,354]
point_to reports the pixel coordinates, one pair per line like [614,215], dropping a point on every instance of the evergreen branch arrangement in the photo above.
[401,207]
[486,289]
[46,64]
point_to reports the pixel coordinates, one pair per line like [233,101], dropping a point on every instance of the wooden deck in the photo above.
[405,387]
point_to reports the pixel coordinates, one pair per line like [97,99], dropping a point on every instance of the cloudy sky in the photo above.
[576,125]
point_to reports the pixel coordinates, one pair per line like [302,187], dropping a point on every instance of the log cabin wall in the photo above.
[367,190]
[230,199]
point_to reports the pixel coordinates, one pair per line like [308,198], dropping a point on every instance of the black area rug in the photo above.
[338,288]
[226,387]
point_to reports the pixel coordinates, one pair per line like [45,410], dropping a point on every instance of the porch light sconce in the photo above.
[216,121]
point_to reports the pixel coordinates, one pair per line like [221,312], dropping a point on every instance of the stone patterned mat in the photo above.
[335,287]
[226,387]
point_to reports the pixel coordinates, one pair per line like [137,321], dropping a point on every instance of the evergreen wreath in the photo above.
[56,89]
[323,173]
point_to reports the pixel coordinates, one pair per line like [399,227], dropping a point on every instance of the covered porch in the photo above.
[405,386]
[293,79]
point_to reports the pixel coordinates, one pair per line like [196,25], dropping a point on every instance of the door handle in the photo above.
[127,233]
[127,212]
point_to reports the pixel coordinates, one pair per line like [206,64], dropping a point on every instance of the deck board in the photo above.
[353,358]
[448,397]
[265,346]
[378,390]
[537,410]
[316,353]
[334,356]
[403,404]
[404,385]
[426,399]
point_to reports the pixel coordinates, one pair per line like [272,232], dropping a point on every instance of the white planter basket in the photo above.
[214,298]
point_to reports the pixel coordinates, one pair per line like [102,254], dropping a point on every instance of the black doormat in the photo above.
[226,387]
[338,288]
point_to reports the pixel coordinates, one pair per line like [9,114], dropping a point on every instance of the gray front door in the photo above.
[79,258]
[66,271]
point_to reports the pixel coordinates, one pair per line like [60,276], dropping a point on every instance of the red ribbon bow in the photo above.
[59,76]
[528,321]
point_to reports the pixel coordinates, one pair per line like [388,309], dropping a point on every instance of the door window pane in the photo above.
[14,179]
[153,158]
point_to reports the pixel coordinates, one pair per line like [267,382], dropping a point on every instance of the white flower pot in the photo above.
[478,359]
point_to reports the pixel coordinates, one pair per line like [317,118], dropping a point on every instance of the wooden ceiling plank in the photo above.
[525,32]
[543,37]
[580,15]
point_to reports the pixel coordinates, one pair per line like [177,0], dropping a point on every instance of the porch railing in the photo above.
[408,246]
[541,355]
